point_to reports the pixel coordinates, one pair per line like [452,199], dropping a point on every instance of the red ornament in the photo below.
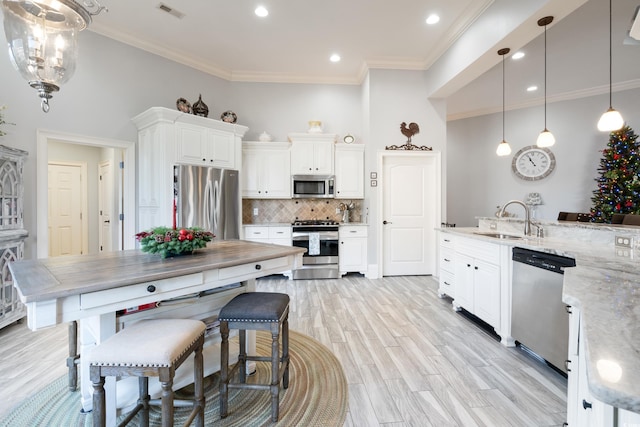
[618,206]
[616,156]
[629,203]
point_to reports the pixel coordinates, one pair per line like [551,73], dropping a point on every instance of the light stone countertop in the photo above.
[605,285]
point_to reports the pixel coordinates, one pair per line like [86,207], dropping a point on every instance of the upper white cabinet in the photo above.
[167,137]
[197,145]
[312,154]
[266,170]
[349,171]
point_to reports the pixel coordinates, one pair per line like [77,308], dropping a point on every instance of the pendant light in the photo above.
[504,149]
[43,40]
[546,138]
[611,119]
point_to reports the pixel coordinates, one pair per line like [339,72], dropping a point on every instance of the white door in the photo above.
[105,206]
[410,212]
[65,209]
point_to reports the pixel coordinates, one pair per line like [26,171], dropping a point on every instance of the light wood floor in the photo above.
[408,358]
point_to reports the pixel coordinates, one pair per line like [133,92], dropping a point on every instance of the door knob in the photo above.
[387,222]
[107,222]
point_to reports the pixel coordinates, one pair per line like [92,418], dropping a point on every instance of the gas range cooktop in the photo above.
[315,222]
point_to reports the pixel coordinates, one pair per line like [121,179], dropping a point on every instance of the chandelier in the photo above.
[43,40]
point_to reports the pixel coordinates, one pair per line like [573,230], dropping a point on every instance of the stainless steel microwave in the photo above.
[313,186]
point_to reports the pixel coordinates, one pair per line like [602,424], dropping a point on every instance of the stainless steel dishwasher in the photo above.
[539,319]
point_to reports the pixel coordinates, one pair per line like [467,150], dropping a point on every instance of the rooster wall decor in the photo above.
[409,131]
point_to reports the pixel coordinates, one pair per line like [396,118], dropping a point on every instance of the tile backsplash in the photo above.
[287,211]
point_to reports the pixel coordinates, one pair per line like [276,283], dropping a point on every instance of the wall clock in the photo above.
[533,163]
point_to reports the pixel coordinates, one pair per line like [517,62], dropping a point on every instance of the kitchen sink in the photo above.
[498,235]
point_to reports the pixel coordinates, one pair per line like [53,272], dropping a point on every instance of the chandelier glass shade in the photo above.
[43,40]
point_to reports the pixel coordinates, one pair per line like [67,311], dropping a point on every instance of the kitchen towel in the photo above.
[314,243]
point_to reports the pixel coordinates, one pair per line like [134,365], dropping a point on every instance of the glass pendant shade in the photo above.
[545,139]
[504,149]
[43,41]
[611,120]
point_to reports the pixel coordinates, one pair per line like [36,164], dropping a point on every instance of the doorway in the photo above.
[67,209]
[124,224]
[410,208]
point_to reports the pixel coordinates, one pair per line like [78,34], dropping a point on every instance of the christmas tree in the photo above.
[618,189]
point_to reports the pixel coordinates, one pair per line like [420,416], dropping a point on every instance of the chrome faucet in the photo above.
[527,213]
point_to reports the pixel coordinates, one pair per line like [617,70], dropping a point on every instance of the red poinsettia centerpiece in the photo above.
[169,242]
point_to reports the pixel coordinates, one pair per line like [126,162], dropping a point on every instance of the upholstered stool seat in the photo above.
[255,311]
[150,348]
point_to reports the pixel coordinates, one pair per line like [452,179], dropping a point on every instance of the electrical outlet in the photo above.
[624,241]
[255,211]
[337,210]
[493,226]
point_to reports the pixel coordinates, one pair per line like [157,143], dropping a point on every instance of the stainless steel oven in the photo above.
[320,239]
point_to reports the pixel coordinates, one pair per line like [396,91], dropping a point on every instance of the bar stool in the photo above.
[255,311]
[150,348]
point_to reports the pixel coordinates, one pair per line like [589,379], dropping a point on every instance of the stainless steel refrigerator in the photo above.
[208,198]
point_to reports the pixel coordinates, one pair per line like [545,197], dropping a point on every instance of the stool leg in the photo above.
[99,413]
[167,399]
[275,367]
[143,392]
[224,368]
[242,355]
[198,372]
[285,351]
[72,360]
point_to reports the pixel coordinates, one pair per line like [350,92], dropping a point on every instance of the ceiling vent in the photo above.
[171,11]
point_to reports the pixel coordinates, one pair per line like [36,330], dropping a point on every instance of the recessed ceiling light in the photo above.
[433,19]
[334,58]
[261,11]
[532,88]
[517,55]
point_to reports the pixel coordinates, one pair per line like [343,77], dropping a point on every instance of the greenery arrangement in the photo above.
[618,190]
[169,242]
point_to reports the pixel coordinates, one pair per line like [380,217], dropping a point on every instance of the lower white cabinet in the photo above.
[584,410]
[274,234]
[446,257]
[477,279]
[352,253]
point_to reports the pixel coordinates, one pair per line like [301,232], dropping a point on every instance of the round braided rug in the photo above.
[317,395]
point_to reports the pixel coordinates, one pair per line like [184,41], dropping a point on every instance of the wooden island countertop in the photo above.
[50,278]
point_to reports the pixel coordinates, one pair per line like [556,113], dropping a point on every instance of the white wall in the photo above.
[478,180]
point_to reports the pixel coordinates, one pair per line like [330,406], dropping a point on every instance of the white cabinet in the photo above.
[266,170]
[583,409]
[12,232]
[349,168]
[312,154]
[352,253]
[167,137]
[446,257]
[199,145]
[274,234]
[477,278]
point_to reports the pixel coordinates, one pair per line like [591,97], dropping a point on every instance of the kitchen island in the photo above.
[602,291]
[95,289]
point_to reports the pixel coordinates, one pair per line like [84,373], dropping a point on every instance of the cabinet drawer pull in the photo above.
[568,308]
[258,267]
[447,283]
[586,405]
[151,288]
[447,259]
[476,267]
[468,265]
[447,240]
